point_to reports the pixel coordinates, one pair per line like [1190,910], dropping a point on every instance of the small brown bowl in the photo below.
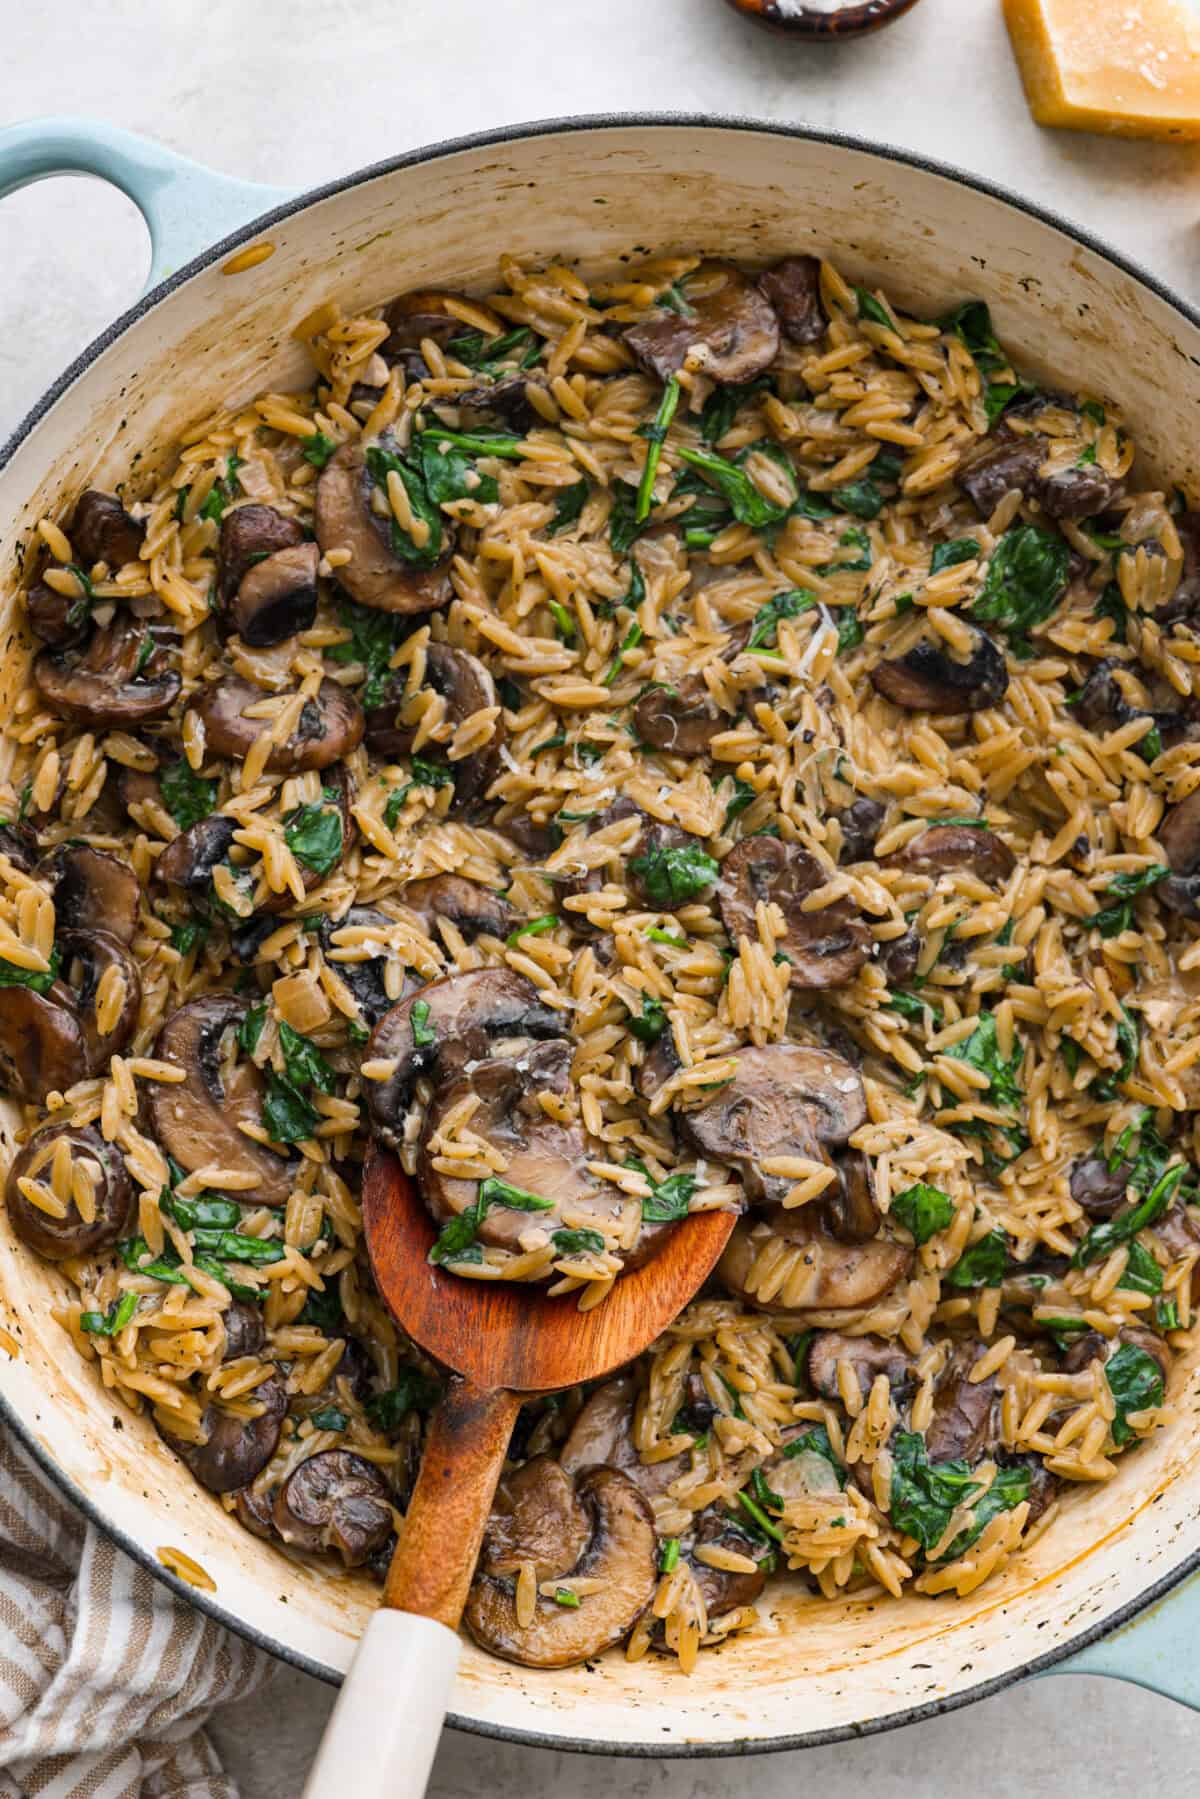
[818,26]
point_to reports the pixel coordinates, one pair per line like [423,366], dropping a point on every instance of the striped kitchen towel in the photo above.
[106,1679]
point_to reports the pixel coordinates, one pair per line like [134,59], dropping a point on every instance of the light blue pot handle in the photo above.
[1157,1650]
[186,207]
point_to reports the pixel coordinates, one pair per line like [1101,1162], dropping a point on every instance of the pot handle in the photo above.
[1156,1650]
[186,207]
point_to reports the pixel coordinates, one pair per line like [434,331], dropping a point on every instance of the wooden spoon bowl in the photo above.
[817,26]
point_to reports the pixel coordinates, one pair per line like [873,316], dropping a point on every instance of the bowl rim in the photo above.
[494,137]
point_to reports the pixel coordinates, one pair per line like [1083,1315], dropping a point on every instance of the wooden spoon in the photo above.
[501,1343]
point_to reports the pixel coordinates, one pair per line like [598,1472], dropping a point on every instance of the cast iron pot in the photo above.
[593,189]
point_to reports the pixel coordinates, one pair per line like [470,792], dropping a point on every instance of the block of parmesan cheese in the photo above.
[1129,67]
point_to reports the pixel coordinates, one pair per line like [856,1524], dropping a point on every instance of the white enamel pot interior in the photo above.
[595,191]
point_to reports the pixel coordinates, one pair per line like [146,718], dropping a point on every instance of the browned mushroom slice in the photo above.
[785,1099]
[41,1041]
[544,1158]
[461,1017]
[1011,462]
[850,1208]
[965,1414]
[374,576]
[900,957]
[58,1239]
[366,978]
[334,1501]
[19,845]
[927,679]
[1179,835]
[620,1553]
[861,823]
[1094,1346]
[87,956]
[726,1590]
[57,618]
[1099,1189]
[107,683]
[785,1262]
[661,1061]
[1075,493]
[256,1511]
[102,531]
[505,400]
[603,1433]
[93,890]
[536,1518]
[472,909]
[467,687]
[411,318]
[245,1332]
[682,718]
[793,287]
[189,859]
[729,331]
[267,587]
[329,728]
[944,847]
[235,1449]
[825,948]
[869,1357]
[196,1120]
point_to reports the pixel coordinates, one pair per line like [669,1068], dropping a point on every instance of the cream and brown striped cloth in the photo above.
[106,1679]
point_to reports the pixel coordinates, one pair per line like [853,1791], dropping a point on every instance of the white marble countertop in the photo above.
[294,92]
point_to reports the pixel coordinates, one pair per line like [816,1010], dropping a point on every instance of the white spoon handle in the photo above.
[383,1735]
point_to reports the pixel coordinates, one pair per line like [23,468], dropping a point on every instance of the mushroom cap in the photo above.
[929,680]
[102,684]
[620,1552]
[189,859]
[861,822]
[250,534]
[602,1435]
[42,1048]
[732,334]
[793,289]
[472,909]
[330,725]
[411,318]
[825,948]
[681,719]
[19,845]
[784,1099]
[102,531]
[196,1120]
[1179,834]
[868,1356]
[725,1590]
[467,687]
[87,957]
[245,1332]
[365,979]
[544,1156]
[92,889]
[59,1239]
[374,576]
[334,1500]
[536,1517]
[849,1206]
[467,1012]
[277,597]
[1099,1189]
[55,617]
[822,1275]
[943,847]
[1006,464]
[235,1450]
[965,1421]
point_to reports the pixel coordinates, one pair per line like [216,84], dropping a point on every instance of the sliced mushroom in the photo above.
[929,680]
[506,400]
[785,1099]
[256,1511]
[42,1047]
[365,978]
[189,859]
[1008,462]
[374,576]
[965,1421]
[472,909]
[725,1590]
[1179,835]
[102,531]
[1075,493]
[536,1517]
[620,1553]
[730,332]
[793,289]
[245,1332]
[87,956]
[660,1062]
[57,618]
[58,1239]
[107,683]
[466,1014]
[1095,1347]
[1099,1189]
[467,687]
[196,1120]
[682,719]
[869,1357]
[329,728]
[267,586]
[19,845]
[603,1434]
[825,948]
[411,318]
[235,1449]
[850,1209]
[943,847]
[92,890]
[820,1274]
[543,1157]
[335,1500]
[861,823]
[900,957]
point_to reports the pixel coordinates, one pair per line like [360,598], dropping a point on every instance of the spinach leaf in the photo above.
[1105,1086]
[765,630]
[219,494]
[314,834]
[1142,1273]
[450,475]
[1026,579]
[649,1026]
[110,1323]
[981,1051]
[815,1442]
[413,1392]
[577,1243]
[1111,604]
[232,1246]
[673,874]
[743,796]
[569,503]
[1103,1238]
[862,498]
[187,797]
[504,444]
[972,325]
[669,1200]
[853,539]
[924,1494]
[870,308]
[423,1033]
[287,1115]
[1136,1383]
[328,1418]
[488,354]
[657,435]
[912,1007]
[982,1265]
[724,404]
[456,1241]
[317,449]
[207,1211]
[380,464]
[949,555]
[923,1210]
[304,1064]
[1124,888]
[251,1029]
[189,936]
[374,638]
[623,527]
[37,982]
[748,506]
[534,927]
